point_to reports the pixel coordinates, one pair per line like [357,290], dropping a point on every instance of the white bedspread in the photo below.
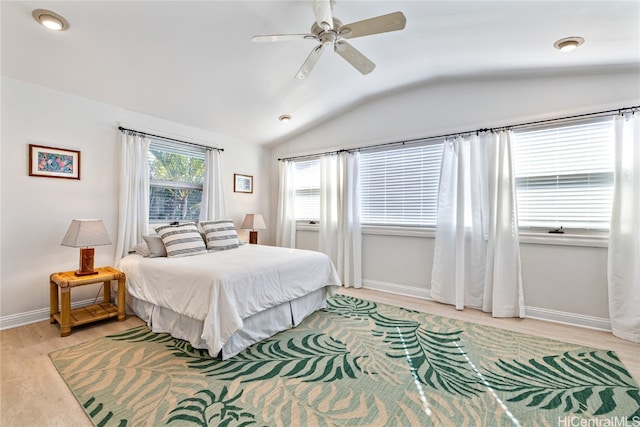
[222,288]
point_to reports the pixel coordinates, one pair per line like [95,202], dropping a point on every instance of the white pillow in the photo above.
[220,235]
[155,245]
[140,249]
[182,240]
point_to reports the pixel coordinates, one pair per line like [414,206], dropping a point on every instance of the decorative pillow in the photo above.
[140,249]
[220,235]
[156,247]
[182,240]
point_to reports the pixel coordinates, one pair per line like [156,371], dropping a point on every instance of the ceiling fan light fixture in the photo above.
[568,44]
[50,20]
[285,118]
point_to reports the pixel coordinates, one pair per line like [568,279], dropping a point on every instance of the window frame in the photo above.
[404,229]
[572,236]
[180,149]
[312,222]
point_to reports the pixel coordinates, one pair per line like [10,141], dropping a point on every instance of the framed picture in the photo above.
[53,162]
[242,183]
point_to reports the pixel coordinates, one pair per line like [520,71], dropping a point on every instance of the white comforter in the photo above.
[222,288]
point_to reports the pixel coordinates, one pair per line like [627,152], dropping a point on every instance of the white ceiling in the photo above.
[193,62]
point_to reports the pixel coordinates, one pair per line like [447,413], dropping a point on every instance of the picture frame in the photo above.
[242,183]
[52,162]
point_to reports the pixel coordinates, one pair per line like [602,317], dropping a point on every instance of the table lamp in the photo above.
[253,222]
[83,233]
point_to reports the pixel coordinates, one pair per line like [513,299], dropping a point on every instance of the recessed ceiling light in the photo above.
[50,19]
[285,118]
[568,44]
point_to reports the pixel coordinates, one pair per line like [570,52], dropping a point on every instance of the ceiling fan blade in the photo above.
[281,38]
[354,57]
[322,10]
[381,24]
[310,62]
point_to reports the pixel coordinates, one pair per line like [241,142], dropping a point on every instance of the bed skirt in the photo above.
[255,328]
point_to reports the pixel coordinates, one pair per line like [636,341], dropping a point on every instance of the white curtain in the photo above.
[286,215]
[503,294]
[476,256]
[212,206]
[133,210]
[460,249]
[624,234]
[340,234]
[329,215]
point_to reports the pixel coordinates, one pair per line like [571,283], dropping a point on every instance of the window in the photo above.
[175,182]
[564,175]
[307,184]
[400,186]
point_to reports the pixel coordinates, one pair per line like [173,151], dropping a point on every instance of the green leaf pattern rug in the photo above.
[356,363]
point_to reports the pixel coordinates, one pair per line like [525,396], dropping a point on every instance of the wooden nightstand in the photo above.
[68,318]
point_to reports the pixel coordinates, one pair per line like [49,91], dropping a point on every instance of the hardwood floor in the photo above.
[33,394]
[31,391]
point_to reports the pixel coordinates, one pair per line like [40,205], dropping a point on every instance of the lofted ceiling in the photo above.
[192,62]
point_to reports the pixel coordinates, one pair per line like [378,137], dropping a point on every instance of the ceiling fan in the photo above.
[329,31]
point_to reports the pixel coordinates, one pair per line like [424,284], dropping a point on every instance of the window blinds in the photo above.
[400,186]
[175,182]
[564,175]
[307,184]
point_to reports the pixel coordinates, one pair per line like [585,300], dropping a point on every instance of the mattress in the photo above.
[219,291]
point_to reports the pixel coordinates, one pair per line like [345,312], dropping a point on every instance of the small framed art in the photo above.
[242,183]
[53,162]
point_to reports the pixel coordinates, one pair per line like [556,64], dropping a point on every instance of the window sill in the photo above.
[389,230]
[528,237]
[305,226]
[566,239]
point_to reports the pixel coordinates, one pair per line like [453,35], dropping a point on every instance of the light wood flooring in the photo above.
[33,394]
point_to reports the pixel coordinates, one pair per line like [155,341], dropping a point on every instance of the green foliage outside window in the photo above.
[175,184]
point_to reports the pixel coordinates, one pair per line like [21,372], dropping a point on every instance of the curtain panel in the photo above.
[133,207]
[286,215]
[340,235]
[624,231]
[212,206]
[503,289]
[476,255]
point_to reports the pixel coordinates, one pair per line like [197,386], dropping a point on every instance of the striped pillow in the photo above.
[182,240]
[220,235]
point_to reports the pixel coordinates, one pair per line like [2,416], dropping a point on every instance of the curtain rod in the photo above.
[164,138]
[428,138]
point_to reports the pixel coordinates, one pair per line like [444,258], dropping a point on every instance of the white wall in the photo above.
[564,283]
[37,211]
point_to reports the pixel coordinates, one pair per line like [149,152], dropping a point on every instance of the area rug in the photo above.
[356,363]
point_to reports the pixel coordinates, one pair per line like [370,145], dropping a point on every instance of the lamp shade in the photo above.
[253,222]
[85,233]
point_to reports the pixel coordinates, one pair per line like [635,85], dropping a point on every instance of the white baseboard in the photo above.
[395,288]
[20,319]
[555,316]
[590,322]
[566,318]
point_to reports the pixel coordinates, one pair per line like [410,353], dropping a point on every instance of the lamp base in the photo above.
[86,262]
[85,273]
[253,237]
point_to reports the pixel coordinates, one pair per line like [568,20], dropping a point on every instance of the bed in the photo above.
[227,300]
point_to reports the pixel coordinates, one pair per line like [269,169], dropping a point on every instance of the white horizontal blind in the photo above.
[175,182]
[400,186]
[307,185]
[564,175]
